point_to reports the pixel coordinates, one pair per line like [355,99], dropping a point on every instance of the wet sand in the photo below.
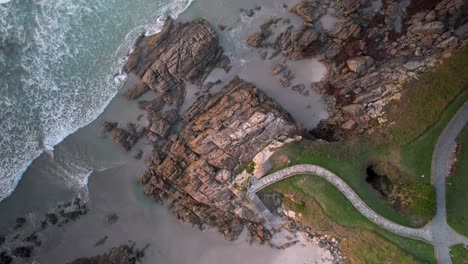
[113,173]
[117,191]
[247,62]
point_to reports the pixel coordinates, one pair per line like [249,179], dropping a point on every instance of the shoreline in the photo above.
[118,61]
[249,66]
[72,142]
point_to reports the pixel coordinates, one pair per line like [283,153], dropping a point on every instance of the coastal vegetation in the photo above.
[325,209]
[400,151]
[457,198]
[459,254]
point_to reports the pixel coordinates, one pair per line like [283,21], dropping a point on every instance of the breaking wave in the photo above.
[58,62]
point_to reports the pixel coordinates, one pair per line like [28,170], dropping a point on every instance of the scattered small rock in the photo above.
[101,241]
[20,222]
[22,252]
[247,12]
[5,258]
[33,238]
[111,218]
[109,126]
[277,69]
[138,155]
[52,218]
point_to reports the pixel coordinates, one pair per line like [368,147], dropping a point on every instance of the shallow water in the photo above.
[329,20]
[57,64]
[169,241]
[247,63]
[88,163]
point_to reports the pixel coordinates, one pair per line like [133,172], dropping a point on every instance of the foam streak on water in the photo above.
[57,61]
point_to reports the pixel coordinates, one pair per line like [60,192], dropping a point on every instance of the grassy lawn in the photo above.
[457,198]
[406,143]
[459,254]
[325,209]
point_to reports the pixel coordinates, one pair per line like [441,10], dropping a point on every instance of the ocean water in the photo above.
[59,68]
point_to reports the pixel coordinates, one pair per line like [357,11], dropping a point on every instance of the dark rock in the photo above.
[76,201]
[180,52]
[73,213]
[161,123]
[33,238]
[248,12]
[138,155]
[5,258]
[366,55]
[307,10]
[22,252]
[101,241]
[109,126]
[111,219]
[119,255]
[20,222]
[154,105]
[124,138]
[224,63]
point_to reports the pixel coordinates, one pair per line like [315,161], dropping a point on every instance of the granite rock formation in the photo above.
[197,170]
[370,53]
[179,53]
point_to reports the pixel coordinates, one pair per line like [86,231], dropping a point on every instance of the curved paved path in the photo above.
[443,236]
[436,232]
[343,187]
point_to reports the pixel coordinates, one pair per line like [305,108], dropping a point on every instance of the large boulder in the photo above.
[429,28]
[360,64]
[180,52]
[307,10]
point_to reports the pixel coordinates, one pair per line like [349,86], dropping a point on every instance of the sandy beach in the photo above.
[88,164]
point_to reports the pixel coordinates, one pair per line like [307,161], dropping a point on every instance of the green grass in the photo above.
[327,210]
[457,198]
[416,156]
[250,167]
[459,254]
[415,123]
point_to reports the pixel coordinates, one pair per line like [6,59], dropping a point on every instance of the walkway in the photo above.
[436,232]
[345,189]
[443,236]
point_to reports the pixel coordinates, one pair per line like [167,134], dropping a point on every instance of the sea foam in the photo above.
[57,64]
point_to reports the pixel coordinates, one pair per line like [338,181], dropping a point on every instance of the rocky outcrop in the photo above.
[370,54]
[28,234]
[307,11]
[128,137]
[196,170]
[125,254]
[180,52]
[360,65]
